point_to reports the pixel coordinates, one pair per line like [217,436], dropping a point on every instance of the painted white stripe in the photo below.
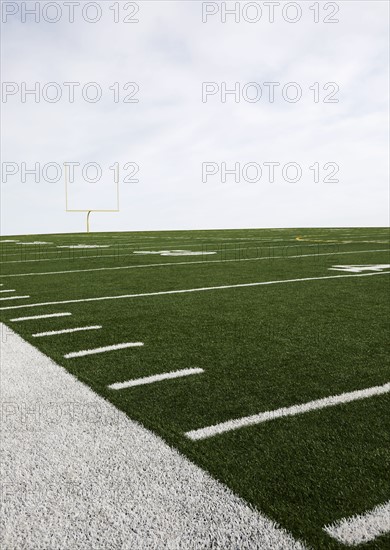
[66,331]
[17,319]
[11,290]
[174,252]
[14,297]
[167,264]
[359,268]
[189,290]
[33,243]
[253,420]
[362,528]
[83,352]
[124,496]
[154,378]
[82,246]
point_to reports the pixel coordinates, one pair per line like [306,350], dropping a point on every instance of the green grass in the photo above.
[261,348]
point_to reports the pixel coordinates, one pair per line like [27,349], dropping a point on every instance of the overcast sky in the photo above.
[170,132]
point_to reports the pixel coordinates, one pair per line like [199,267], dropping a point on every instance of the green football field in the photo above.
[245,322]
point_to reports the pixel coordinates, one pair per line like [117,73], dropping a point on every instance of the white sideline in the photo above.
[163,264]
[89,477]
[361,528]
[65,331]
[154,378]
[189,290]
[253,420]
[114,347]
[49,315]
[11,290]
[14,297]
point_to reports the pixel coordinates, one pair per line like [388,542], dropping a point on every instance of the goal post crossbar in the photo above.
[87,210]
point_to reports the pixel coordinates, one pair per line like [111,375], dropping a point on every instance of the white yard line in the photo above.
[14,297]
[361,528]
[78,473]
[48,316]
[221,261]
[191,290]
[33,243]
[82,246]
[11,290]
[103,349]
[255,419]
[154,378]
[65,331]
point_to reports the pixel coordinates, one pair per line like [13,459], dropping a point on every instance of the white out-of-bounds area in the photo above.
[78,473]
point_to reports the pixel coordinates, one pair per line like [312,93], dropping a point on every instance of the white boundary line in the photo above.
[157,499]
[253,420]
[190,290]
[65,331]
[154,378]
[361,528]
[10,290]
[14,297]
[114,347]
[221,261]
[49,315]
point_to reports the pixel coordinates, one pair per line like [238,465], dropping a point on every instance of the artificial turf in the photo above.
[261,348]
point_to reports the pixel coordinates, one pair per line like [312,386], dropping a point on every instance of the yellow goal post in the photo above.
[90,210]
